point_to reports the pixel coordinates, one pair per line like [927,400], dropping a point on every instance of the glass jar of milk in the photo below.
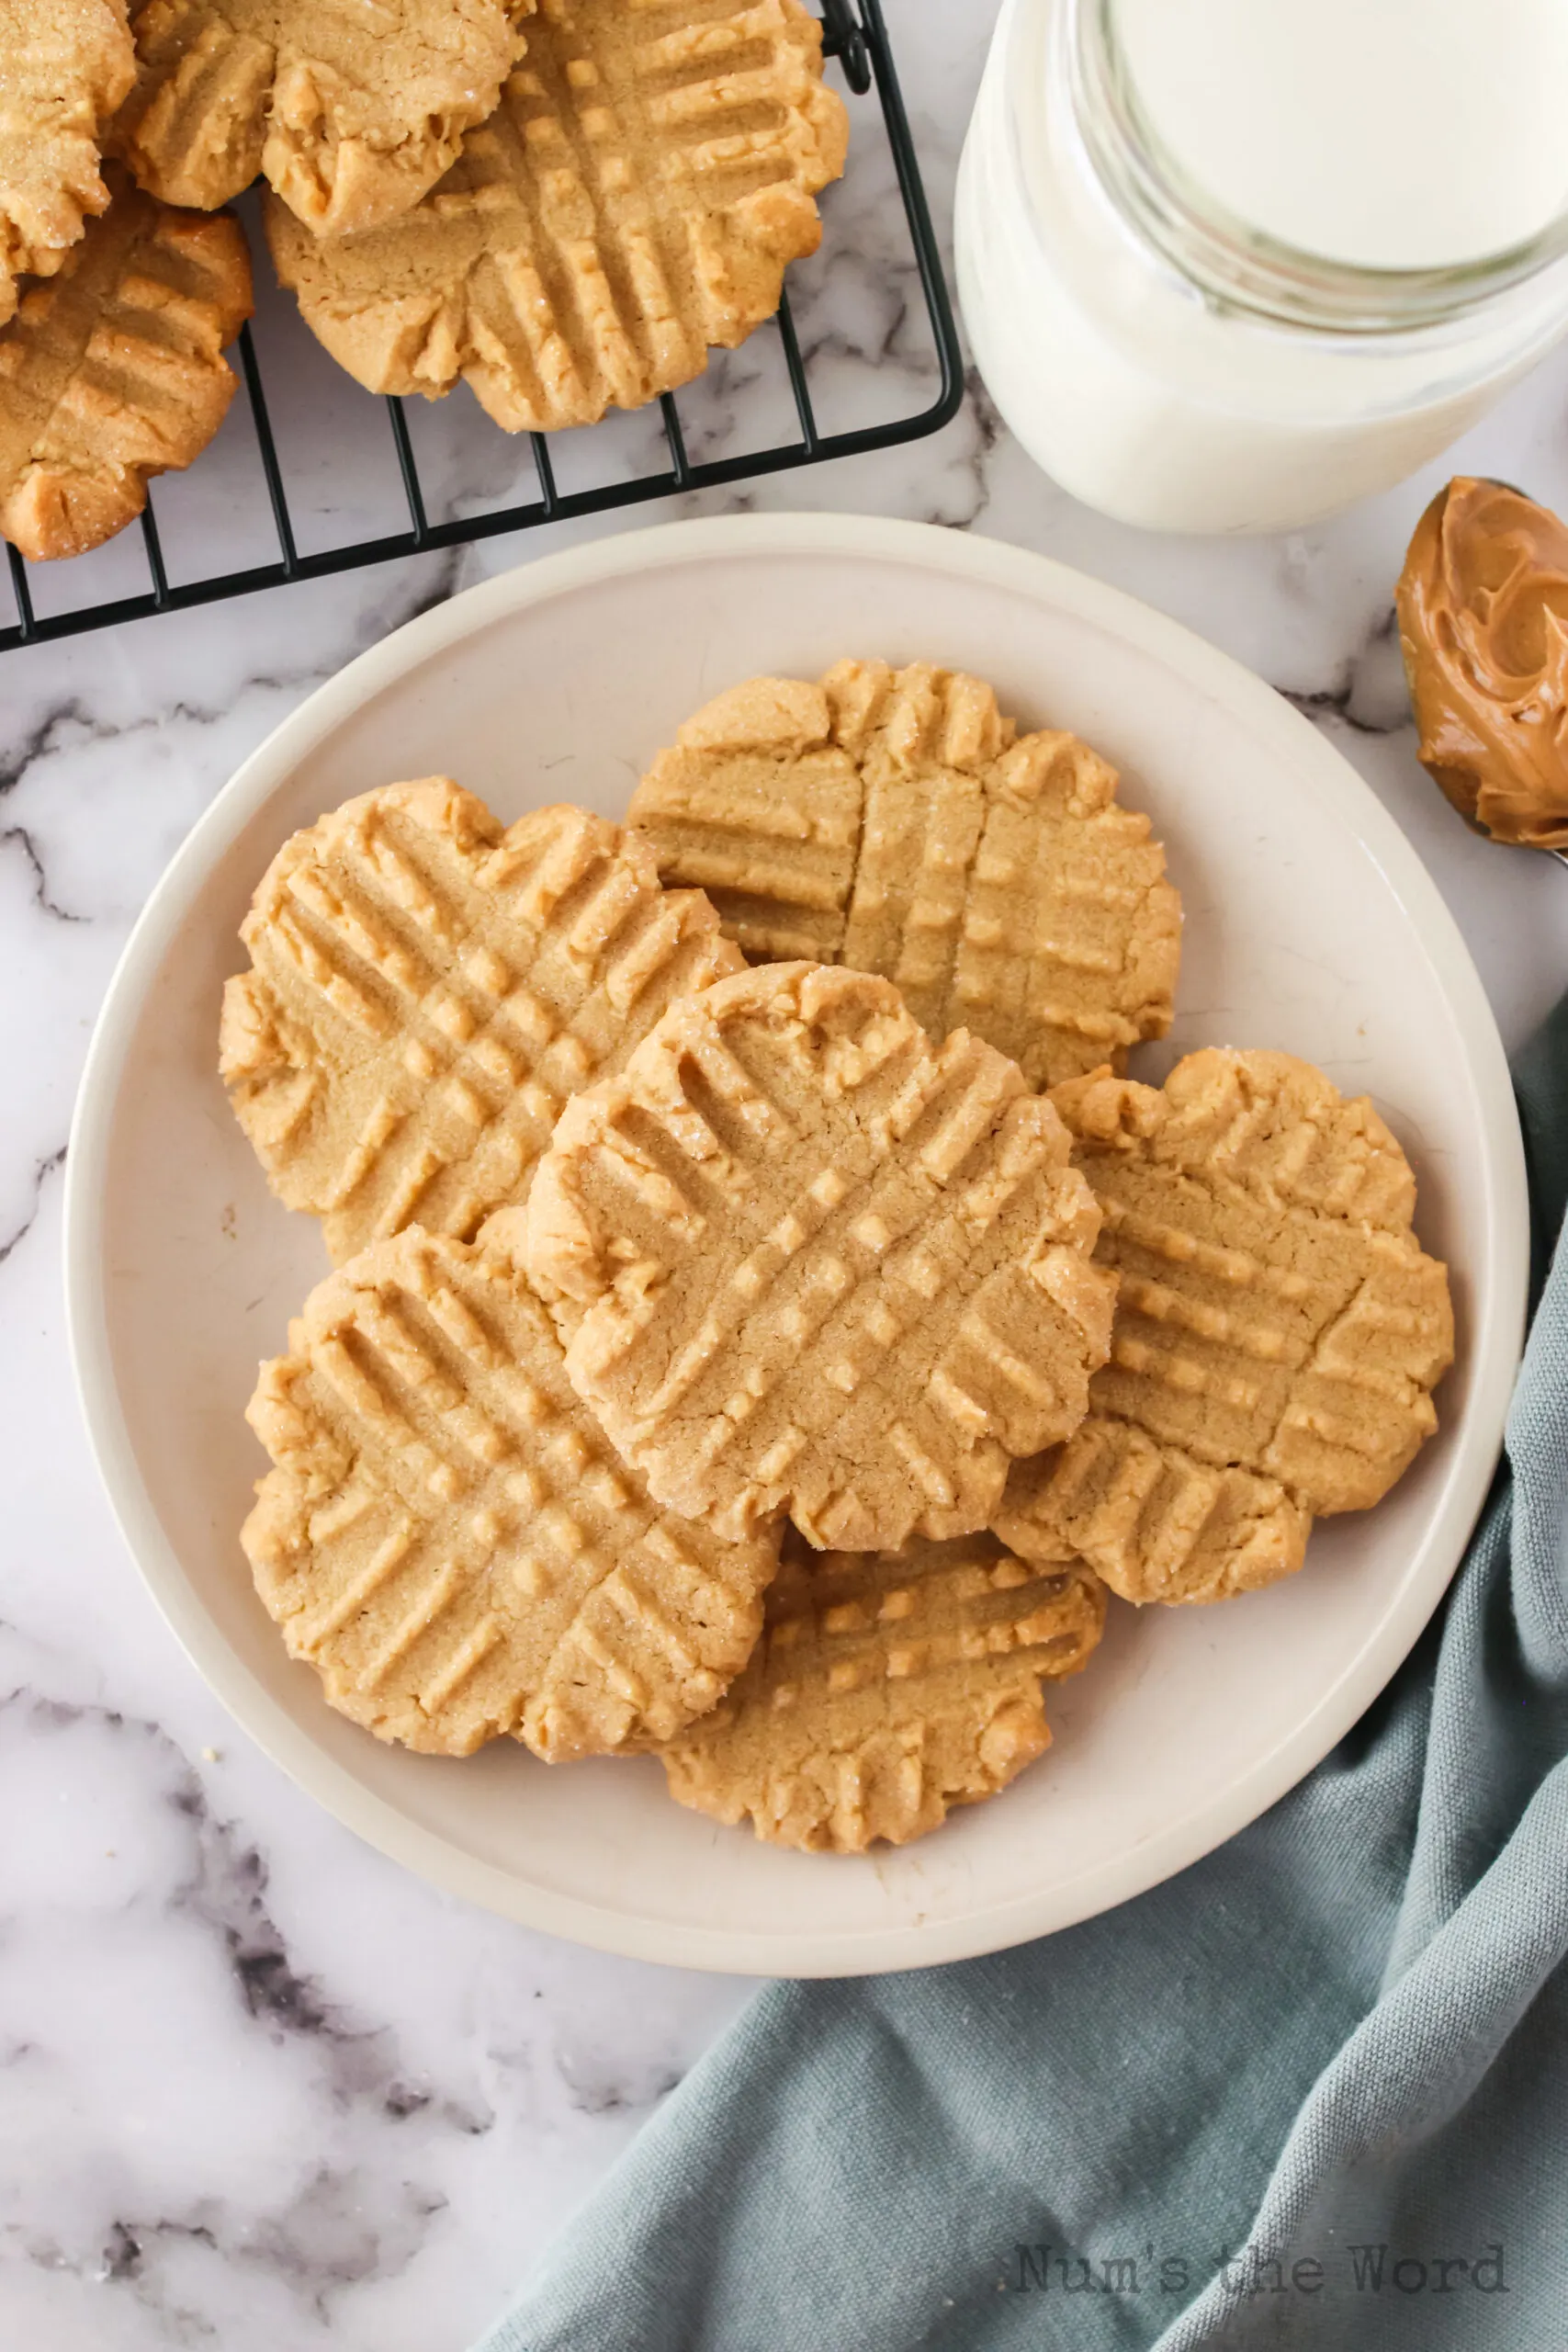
[1228,264]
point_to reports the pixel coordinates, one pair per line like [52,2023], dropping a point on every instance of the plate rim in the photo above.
[1496,1336]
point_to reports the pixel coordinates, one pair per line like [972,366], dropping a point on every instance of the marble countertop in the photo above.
[258,2087]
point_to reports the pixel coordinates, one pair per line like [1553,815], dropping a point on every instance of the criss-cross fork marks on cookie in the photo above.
[885,1688]
[650,172]
[112,371]
[820,1265]
[448,1539]
[351,111]
[426,990]
[892,820]
[1278,1329]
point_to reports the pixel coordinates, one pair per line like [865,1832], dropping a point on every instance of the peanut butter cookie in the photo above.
[64,67]
[351,111]
[895,821]
[112,371]
[1278,1329]
[636,196]
[447,1538]
[886,1687]
[821,1265]
[427,988]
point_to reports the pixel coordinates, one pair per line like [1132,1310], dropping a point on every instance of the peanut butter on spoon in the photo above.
[1482,605]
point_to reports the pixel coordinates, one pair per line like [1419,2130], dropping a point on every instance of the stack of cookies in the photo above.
[564,203]
[766,1323]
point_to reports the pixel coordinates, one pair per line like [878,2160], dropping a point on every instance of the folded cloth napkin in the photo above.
[1313,2092]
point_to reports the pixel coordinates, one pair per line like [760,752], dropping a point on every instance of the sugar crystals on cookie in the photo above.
[67,64]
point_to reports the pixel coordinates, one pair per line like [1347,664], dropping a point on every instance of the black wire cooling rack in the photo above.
[855,34]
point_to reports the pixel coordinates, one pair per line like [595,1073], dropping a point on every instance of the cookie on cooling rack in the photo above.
[66,66]
[350,111]
[112,371]
[634,199]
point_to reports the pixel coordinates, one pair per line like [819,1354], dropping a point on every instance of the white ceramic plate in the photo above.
[1310,925]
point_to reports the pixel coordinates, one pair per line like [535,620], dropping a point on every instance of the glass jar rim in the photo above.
[1235,266]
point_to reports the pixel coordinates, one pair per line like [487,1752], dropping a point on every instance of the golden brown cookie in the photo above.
[112,371]
[892,820]
[427,988]
[351,111]
[886,1687]
[636,196]
[447,1538]
[1278,1329]
[64,67]
[821,1265]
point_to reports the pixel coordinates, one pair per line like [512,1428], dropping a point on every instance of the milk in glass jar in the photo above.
[1228,264]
